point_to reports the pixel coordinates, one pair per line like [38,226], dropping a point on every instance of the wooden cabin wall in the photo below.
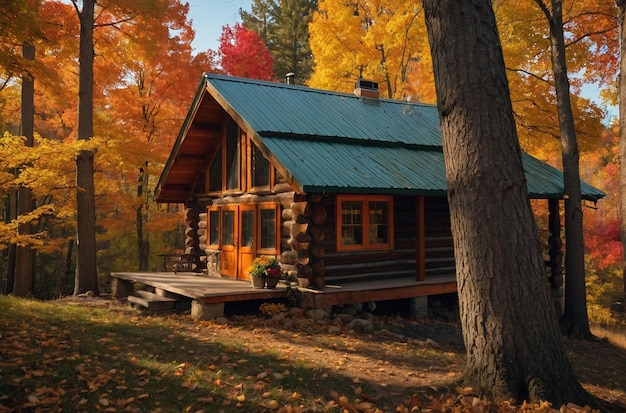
[438,233]
[439,249]
[372,263]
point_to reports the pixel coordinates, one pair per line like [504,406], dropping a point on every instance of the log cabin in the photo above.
[339,187]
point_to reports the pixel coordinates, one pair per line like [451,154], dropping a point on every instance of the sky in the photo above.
[208,18]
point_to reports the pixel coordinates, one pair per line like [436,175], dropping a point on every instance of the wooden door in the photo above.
[238,228]
[228,265]
[246,235]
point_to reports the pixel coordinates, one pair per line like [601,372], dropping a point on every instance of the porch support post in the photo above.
[420,242]
[555,245]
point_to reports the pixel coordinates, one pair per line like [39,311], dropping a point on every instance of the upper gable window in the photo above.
[260,168]
[233,155]
[364,222]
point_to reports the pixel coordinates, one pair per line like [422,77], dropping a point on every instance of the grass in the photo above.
[69,358]
[57,357]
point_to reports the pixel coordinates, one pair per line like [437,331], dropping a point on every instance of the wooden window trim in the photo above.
[276,208]
[365,201]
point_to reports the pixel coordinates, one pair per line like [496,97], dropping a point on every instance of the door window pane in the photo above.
[228,227]
[247,228]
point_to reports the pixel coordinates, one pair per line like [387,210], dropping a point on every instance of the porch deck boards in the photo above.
[220,290]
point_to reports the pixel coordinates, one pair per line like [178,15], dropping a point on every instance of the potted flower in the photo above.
[264,270]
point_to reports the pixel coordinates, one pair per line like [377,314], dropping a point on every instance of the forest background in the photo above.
[146,72]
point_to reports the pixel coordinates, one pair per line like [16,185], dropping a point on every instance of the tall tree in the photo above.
[381,41]
[25,255]
[284,26]
[575,318]
[621,4]
[511,335]
[86,268]
[244,54]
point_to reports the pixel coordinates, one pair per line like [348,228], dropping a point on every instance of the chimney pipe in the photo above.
[367,90]
[290,78]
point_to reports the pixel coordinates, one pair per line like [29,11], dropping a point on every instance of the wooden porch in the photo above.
[210,293]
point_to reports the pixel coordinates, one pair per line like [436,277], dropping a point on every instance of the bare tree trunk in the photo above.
[621,4]
[143,244]
[86,278]
[575,320]
[25,256]
[510,329]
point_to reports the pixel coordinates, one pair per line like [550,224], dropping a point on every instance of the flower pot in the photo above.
[271,282]
[257,282]
[303,282]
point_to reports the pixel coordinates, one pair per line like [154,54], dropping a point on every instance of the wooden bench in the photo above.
[177,262]
[151,301]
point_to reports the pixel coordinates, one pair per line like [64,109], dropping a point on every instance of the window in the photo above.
[262,236]
[260,168]
[267,227]
[364,222]
[232,155]
[214,228]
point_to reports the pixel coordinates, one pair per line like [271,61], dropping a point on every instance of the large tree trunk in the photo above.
[511,334]
[86,270]
[25,256]
[621,4]
[575,318]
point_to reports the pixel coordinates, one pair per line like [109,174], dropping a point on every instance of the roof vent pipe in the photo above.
[290,78]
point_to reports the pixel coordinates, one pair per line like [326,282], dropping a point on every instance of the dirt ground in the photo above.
[387,347]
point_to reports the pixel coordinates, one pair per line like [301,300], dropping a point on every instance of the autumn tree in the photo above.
[575,318]
[284,27]
[244,54]
[621,4]
[364,39]
[512,341]
[161,75]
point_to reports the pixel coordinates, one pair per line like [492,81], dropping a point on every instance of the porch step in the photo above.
[151,301]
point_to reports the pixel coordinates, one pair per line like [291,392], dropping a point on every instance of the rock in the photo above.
[433,343]
[317,314]
[221,321]
[334,330]
[361,325]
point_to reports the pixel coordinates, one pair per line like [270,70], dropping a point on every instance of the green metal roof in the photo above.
[273,109]
[337,142]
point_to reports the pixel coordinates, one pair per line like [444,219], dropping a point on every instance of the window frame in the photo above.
[258,207]
[365,201]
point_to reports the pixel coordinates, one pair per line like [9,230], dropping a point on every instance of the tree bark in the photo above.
[575,320]
[86,278]
[24,282]
[512,340]
[621,4]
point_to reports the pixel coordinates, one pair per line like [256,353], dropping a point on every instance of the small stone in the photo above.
[361,325]
[221,321]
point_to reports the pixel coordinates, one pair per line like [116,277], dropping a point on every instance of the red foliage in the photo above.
[244,53]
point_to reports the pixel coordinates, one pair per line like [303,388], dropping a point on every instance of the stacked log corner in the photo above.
[193,234]
[302,226]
